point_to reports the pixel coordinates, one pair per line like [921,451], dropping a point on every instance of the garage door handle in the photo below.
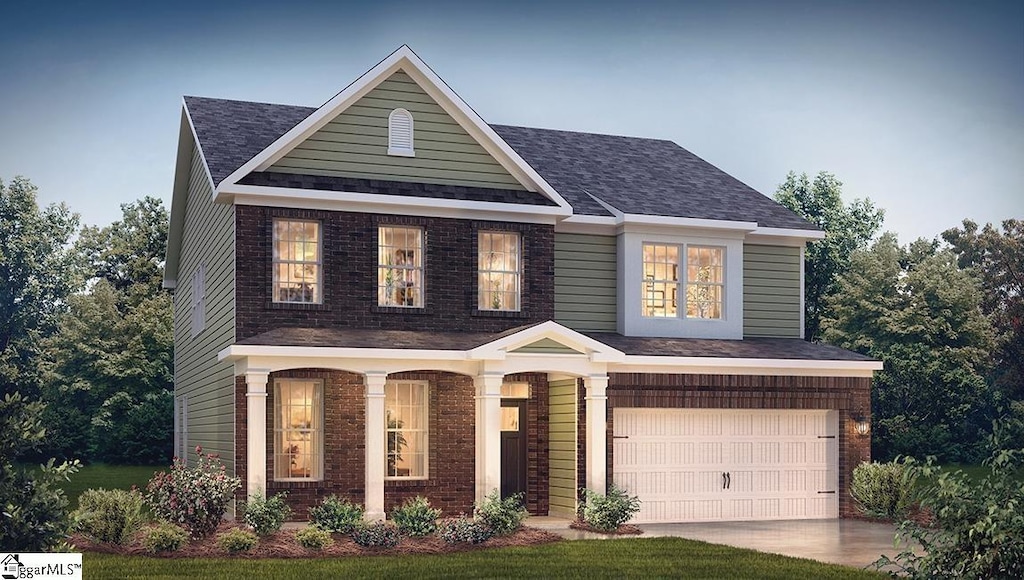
[728,480]
[620,436]
[725,478]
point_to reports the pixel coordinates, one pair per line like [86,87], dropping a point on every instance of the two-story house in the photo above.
[386,296]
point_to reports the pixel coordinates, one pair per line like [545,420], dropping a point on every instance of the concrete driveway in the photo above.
[847,542]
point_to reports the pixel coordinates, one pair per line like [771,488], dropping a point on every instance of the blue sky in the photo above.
[917,105]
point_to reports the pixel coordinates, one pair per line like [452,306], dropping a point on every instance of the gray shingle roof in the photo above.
[634,175]
[766,348]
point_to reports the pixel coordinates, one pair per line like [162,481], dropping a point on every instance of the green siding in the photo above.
[771,291]
[208,238]
[546,345]
[562,447]
[355,143]
[585,281]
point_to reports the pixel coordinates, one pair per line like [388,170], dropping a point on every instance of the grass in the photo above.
[620,558]
[108,477]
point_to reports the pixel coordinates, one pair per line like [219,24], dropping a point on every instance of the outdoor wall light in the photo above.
[863,426]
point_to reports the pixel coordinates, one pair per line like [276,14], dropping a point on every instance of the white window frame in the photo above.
[482,272]
[198,304]
[318,290]
[407,272]
[401,133]
[315,430]
[681,283]
[630,285]
[425,421]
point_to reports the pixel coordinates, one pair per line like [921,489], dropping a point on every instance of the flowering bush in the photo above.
[378,535]
[192,497]
[265,515]
[164,537]
[415,517]
[236,541]
[313,538]
[335,514]
[464,530]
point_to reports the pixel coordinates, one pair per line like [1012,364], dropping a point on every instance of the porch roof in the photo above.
[750,348]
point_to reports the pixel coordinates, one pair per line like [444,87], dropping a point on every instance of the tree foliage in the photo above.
[997,257]
[36,274]
[919,312]
[847,228]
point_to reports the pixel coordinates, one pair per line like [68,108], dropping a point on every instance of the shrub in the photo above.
[109,515]
[265,515]
[164,537]
[885,490]
[35,517]
[313,538]
[376,535]
[464,530]
[608,512]
[193,497]
[503,516]
[236,541]
[335,514]
[415,517]
[978,531]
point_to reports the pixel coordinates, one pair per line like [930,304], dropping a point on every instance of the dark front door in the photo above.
[513,448]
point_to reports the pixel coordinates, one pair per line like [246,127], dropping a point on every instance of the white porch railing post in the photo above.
[376,449]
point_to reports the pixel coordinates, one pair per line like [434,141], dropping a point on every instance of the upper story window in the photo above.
[400,266]
[298,429]
[199,300]
[297,262]
[499,267]
[704,281]
[400,133]
[406,411]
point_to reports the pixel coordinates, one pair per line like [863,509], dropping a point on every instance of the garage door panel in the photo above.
[778,461]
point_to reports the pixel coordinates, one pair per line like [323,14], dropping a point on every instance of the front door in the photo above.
[513,448]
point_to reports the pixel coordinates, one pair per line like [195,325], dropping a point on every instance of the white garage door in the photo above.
[689,465]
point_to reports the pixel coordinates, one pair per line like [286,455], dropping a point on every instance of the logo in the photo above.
[11,565]
[40,565]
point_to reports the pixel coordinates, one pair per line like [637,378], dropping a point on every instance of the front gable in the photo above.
[355,143]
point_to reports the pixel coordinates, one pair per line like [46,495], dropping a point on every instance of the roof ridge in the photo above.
[247,102]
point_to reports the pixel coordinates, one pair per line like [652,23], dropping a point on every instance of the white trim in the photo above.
[406,60]
[388,204]
[745,366]
[499,349]
[401,149]
[803,285]
[789,233]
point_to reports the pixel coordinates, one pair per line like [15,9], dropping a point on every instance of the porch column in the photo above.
[376,449]
[488,433]
[256,431]
[597,440]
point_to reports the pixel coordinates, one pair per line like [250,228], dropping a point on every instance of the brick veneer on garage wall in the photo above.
[850,396]
[450,485]
[350,275]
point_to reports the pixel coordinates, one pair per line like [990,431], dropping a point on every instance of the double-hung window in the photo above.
[298,429]
[703,287]
[298,267]
[400,266]
[406,414]
[499,271]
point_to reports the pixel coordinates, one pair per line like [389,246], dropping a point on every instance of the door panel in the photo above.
[513,448]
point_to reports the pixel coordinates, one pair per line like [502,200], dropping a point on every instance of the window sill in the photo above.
[307,306]
[399,309]
[500,313]
[406,481]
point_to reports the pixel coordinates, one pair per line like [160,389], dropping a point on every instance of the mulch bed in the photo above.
[623,530]
[283,545]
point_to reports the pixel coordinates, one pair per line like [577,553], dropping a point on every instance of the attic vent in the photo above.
[400,133]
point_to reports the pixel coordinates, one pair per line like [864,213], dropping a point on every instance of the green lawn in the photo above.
[108,477]
[621,558]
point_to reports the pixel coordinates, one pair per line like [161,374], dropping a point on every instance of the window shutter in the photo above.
[400,133]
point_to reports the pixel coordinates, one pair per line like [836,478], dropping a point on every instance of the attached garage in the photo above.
[690,465]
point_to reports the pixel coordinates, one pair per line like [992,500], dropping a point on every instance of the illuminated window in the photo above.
[498,266]
[704,283]
[297,262]
[298,429]
[400,267]
[405,404]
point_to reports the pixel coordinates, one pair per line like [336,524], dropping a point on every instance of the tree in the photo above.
[129,254]
[33,510]
[920,313]
[37,272]
[998,260]
[847,228]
